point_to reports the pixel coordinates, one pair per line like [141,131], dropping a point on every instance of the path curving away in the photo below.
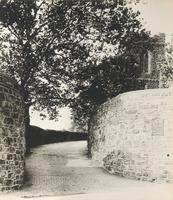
[63,169]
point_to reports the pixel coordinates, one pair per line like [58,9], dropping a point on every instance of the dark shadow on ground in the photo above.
[27,179]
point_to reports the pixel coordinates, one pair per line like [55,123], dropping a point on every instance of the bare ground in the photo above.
[63,171]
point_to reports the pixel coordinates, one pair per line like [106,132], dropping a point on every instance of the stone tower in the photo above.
[150,71]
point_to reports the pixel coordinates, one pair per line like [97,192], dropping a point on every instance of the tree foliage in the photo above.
[70,52]
[28,53]
[115,39]
[165,63]
[37,52]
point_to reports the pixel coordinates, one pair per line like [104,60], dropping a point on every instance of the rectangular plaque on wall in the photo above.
[157,127]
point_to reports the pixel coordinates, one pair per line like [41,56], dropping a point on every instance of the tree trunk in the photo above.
[27,129]
[89,139]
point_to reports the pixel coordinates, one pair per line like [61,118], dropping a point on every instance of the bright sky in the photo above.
[158,17]
[63,123]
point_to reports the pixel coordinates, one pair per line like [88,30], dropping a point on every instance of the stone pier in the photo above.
[12,139]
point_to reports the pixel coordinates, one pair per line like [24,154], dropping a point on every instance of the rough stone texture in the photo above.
[152,70]
[12,140]
[149,68]
[132,135]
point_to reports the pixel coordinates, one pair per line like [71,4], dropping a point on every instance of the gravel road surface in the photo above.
[63,171]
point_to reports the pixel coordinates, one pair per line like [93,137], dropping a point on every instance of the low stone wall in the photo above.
[132,135]
[12,140]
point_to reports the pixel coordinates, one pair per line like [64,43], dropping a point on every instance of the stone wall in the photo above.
[12,140]
[132,135]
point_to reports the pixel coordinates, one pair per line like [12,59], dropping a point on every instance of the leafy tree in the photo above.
[69,52]
[117,40]
[33,55]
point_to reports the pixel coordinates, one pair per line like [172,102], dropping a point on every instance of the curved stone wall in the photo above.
[12,140]
[132,135]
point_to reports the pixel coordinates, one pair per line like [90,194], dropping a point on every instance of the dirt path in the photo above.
[64,169]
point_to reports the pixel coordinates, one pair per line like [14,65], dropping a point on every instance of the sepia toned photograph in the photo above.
[86,99]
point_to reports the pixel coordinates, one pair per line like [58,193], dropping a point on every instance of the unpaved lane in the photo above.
[64,169]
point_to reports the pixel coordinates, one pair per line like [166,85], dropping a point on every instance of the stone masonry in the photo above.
[12,140]
[132,135]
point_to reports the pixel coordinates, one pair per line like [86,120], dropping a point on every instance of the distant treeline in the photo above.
[39,136]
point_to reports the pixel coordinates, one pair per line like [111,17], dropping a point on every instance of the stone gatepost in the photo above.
[12,138]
